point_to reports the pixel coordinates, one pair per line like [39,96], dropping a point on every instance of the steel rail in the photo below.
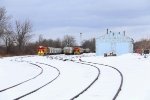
[42,85]
[121,75]
[10,87]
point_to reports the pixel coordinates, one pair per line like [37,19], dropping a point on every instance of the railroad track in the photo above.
[121,75]
[10,87]
[96,78]
[92,64]
[91,83]
[35,90]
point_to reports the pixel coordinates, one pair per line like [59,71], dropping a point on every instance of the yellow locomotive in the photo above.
[42,50]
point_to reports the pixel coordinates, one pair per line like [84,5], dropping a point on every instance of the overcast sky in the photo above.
[56,18]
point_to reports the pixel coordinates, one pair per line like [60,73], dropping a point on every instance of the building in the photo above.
[116,43]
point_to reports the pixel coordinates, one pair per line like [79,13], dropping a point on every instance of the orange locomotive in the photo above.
[77,50]
[42,50]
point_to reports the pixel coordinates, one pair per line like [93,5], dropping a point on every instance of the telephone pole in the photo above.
[80,39]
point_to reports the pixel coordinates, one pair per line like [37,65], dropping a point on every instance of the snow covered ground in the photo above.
[72,77]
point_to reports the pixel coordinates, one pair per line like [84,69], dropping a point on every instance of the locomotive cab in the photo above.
[42,50]
[76,51]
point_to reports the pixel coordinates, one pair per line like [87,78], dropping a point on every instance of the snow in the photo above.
[72,78]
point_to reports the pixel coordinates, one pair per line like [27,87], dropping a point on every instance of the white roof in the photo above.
[118,37]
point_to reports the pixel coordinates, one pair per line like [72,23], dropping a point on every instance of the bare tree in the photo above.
[3,20]
[6,33]
[40,39]
[68,41]
[142,44]
[89,44]
[8,39]
[23,33]
[57,43]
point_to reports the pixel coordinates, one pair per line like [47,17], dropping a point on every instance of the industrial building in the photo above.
[114,43]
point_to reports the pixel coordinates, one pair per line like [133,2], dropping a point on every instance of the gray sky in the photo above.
[56,18]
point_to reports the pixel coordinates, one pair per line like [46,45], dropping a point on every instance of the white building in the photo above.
[117,43]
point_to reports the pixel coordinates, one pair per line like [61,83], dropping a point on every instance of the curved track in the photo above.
[77,95]
[91,64]
[96,78]
[2,90]
[35,90]
[86,88]
[121,75]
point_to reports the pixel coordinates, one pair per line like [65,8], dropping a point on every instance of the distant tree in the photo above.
[4,21]
[23,33]
[40,38]
[57,43]
[31,48]
[6,33]
[49,42]
[8,39]
[142,44]
[16,40]
[68,41]
[42,41]
[89,44]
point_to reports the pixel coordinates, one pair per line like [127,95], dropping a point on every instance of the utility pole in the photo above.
[80,39]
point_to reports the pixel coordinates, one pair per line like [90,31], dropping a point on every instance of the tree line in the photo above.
[142,44]
[15,38]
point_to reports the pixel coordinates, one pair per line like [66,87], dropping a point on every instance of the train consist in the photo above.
[66,50]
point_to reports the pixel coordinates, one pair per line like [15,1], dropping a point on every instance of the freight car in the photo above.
[81,51]
[52,50]
[87,50]
[68,50]
[58,50]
